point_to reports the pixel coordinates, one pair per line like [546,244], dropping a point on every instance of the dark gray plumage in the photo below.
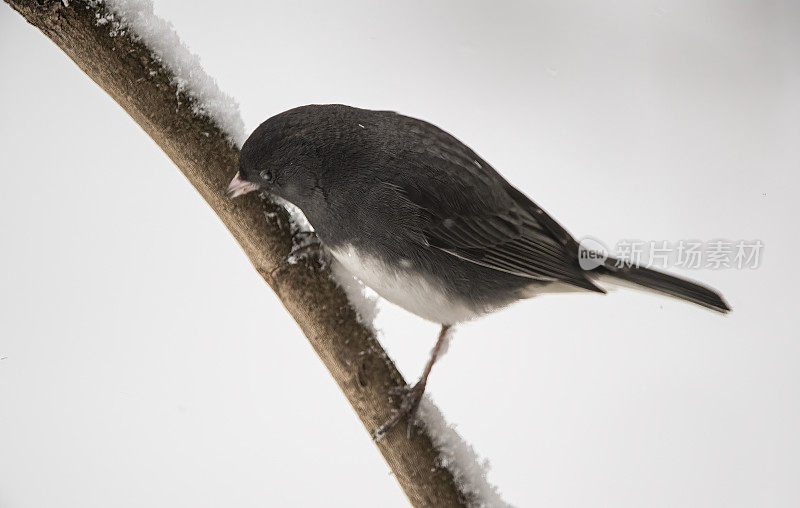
[420,217]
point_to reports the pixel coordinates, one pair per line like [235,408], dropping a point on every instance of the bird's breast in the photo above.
[402,284]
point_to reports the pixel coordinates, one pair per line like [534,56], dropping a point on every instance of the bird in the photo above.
[424,221]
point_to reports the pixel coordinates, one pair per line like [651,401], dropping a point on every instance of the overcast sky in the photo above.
[143,362]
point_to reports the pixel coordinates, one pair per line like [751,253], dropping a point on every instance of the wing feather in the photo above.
[469,211]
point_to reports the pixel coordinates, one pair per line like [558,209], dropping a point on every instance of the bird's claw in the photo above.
[408,408]
[307,243]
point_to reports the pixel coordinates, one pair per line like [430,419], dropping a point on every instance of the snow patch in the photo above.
[460,458]
[137,17]
[298,221]
[360,296]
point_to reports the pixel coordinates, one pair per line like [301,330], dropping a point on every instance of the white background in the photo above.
[144,363]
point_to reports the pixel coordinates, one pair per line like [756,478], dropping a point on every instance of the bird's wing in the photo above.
[501,243]
[469,211]
[508,241]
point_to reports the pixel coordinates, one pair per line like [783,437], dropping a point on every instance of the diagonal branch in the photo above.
[125,67]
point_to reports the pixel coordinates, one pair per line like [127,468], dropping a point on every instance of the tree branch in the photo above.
[126,70]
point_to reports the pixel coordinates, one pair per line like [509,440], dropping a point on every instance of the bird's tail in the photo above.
[664,283]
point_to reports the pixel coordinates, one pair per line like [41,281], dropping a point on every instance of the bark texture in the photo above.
[125,69]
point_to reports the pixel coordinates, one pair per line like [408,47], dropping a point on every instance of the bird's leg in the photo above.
[413,395]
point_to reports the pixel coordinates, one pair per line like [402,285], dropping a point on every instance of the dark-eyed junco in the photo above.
[422,219]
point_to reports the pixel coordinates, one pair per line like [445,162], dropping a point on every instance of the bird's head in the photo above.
[283,157]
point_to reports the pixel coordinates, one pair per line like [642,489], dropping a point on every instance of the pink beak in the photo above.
[239,187]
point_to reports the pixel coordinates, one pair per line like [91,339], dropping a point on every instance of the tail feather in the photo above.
[665,283]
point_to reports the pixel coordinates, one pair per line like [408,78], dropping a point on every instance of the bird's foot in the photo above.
[307,244]
[408,408]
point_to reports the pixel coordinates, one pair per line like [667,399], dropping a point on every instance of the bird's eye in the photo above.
[266,175]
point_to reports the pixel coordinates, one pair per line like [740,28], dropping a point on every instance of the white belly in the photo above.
[403,287]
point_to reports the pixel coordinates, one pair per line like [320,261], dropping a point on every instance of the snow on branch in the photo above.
[138,17]
[468,468]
